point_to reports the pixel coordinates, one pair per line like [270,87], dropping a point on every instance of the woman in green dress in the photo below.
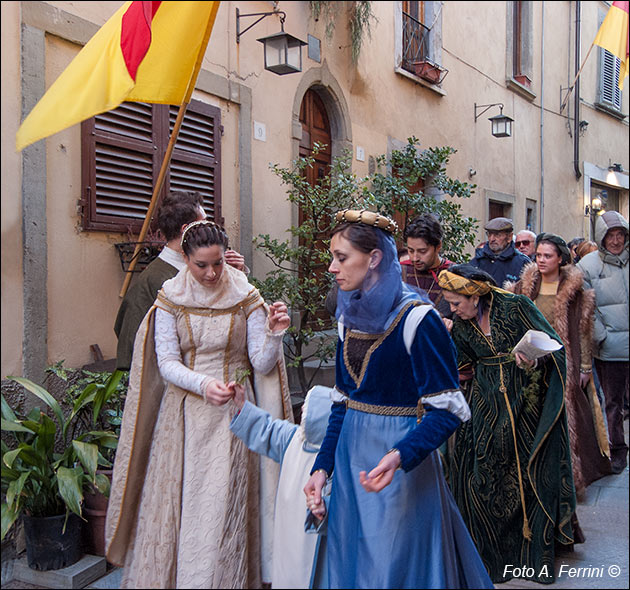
[511,467]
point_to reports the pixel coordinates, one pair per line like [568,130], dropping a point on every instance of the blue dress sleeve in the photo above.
[434,365]
[261,433]
[326,456]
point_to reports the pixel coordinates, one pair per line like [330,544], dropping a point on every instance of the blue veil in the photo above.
[374,306]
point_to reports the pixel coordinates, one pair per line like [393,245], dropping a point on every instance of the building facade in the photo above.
[425,69]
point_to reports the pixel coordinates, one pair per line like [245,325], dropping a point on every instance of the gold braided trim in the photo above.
[417,411]
[249,300]
[500,359]
[367,218]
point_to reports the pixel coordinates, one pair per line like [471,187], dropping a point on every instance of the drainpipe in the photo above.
[576,93]
[542,119]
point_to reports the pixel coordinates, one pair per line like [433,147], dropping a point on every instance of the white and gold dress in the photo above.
[185,507]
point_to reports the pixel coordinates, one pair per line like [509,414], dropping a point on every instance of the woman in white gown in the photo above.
[184,506]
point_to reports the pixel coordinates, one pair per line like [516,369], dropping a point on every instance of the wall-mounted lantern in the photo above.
[501,124]
[283,52]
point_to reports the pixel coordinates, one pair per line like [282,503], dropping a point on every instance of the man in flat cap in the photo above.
[498,256]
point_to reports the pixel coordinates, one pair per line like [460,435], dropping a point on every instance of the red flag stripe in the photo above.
[135,36]
[623,5]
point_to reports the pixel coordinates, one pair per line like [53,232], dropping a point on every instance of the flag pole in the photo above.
[167,156]
[566,98]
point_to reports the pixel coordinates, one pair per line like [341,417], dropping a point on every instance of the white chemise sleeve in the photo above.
[263,345]
[169,355]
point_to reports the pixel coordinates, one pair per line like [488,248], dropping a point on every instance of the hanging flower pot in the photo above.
[48,545]
[148,251]
[427,70]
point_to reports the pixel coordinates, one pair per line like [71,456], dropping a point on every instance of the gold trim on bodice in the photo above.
[249,300]
[363,336]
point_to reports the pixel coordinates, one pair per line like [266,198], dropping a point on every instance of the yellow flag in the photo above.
[146,52]
[613,36]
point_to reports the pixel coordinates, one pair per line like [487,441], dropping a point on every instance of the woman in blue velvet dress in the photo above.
[393,522]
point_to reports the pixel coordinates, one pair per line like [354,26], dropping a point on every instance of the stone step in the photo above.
[77,575]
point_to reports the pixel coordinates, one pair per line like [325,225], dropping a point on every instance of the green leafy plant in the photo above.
[391,193]
[360,18]
[241,375]
[299,277]
[47,471]
[97,400]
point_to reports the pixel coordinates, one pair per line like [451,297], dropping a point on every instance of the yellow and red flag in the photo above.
[146,52]
[613,36]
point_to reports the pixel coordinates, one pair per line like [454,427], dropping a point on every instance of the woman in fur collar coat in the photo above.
[556,287]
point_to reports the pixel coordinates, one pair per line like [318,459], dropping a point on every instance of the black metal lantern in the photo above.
[283,53]
[501,124]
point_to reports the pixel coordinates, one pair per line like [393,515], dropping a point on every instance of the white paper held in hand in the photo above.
[535,344]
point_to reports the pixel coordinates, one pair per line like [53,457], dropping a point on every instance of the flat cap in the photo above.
[500,224]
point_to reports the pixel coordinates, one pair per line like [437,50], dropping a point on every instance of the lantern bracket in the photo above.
[487,106]
[262,15]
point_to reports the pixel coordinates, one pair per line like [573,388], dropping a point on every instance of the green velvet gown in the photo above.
[510,457]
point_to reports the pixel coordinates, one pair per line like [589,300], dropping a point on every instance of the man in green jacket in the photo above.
[606,271]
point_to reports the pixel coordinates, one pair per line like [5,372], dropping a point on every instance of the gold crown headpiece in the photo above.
[367,218]
[194,224]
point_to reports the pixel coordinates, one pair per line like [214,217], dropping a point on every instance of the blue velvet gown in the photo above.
[410,534]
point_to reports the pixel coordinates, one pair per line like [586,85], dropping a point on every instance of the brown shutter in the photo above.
[122,151]
[196,161]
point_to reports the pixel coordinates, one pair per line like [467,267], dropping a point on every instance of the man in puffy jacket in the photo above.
[498,256]
[606,271]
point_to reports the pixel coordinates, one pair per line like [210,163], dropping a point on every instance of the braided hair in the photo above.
[202,234]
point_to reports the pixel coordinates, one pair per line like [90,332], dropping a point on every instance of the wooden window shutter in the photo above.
[609,93]
[122,151]
[196,161]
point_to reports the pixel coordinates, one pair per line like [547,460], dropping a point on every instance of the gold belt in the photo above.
[416,411]
[500,359]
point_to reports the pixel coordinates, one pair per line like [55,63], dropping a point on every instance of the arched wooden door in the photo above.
[315,129]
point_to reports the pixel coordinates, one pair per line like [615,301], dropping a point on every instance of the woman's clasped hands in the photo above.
[218,393]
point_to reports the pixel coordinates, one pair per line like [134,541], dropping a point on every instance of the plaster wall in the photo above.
[10,204]
[379,105]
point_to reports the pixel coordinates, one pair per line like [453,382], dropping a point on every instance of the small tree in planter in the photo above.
[299,277]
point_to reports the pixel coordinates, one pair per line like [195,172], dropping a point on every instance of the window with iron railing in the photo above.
[420,31]
[415,36]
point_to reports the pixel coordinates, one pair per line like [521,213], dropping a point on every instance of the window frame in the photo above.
[432,12]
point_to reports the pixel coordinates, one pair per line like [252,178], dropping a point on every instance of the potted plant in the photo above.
[44,478]
[97,402]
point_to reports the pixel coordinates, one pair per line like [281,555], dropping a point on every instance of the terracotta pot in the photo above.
[94,512]
[428,71]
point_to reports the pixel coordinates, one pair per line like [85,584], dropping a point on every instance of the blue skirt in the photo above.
[409,535]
